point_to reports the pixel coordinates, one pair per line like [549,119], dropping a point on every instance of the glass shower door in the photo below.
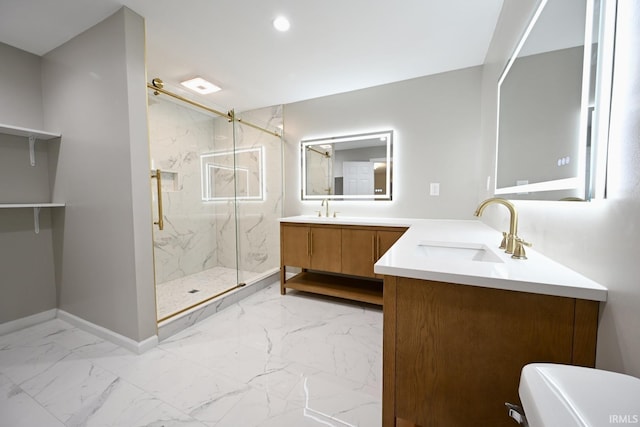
[195,254]
[259,189]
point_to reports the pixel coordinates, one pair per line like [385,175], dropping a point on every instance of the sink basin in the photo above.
[573,396]
[457,251]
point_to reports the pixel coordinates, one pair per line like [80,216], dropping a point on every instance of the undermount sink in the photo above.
[457,251]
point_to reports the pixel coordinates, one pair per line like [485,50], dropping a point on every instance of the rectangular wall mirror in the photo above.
[548,104]
[350,167]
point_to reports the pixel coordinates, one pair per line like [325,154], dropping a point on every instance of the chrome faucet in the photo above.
[325,202]
[511,243]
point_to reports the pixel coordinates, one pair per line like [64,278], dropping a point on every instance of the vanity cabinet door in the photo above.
[326,250]
[386,239]
[361,248]
[358,252]
[294,244]
[313,247]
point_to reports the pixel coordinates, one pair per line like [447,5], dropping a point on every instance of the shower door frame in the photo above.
[158,88]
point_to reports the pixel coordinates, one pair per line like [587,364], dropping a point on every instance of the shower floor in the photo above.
[178,294]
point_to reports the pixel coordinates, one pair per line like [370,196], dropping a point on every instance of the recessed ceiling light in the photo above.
[200,85]
[281,24]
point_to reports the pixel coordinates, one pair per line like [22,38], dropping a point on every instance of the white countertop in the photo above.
[537,274]
[351,220]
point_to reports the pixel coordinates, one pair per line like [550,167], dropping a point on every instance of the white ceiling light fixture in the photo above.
[201,86]
[281,24]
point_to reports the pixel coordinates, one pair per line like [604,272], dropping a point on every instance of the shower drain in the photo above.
[193,291]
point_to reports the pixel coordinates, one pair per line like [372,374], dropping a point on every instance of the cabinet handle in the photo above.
[373,248]
[378,248]
[310,243]
[158,177]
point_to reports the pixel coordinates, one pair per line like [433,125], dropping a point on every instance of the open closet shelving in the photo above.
[31,135]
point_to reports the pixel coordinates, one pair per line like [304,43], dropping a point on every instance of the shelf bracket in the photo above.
[36,220]
[32,149]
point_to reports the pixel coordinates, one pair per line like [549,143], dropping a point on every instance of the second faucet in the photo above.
[511,243]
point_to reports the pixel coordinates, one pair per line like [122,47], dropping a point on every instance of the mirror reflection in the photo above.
[351,167]
[546,101]
[232,175]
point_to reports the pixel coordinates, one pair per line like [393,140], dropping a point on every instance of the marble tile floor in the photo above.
[177,294]
[269,360]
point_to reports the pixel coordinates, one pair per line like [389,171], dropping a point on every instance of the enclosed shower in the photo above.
[216,181]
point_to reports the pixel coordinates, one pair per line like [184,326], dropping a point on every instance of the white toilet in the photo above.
[571,396]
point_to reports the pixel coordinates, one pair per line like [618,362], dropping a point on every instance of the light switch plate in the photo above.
[434,189]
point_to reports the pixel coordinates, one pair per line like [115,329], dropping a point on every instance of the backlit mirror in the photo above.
[350,167]
[549,97]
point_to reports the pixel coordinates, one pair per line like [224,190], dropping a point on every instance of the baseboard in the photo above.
[25,322]
[109,335]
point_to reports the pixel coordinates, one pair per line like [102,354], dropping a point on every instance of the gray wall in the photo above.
[95,94]
[21,88]
[26,259]
[437,127]
[599,238]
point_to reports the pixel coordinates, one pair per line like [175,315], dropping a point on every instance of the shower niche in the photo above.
[169,180]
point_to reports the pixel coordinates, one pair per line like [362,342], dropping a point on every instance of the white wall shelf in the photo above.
[31,134]
[20,131]
[30,205]
[36,210]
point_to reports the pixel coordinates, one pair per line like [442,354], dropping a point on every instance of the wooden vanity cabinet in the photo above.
[452,354]
[346,250]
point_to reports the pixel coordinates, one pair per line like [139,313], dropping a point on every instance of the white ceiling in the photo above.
[333,46]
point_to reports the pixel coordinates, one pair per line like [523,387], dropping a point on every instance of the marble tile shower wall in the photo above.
[197,235]
[178,136]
